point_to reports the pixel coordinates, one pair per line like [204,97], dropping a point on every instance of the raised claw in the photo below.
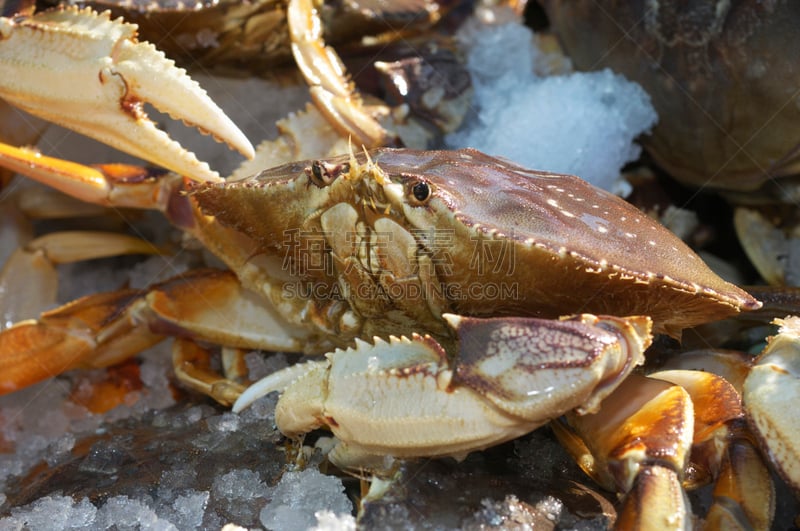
[88,73]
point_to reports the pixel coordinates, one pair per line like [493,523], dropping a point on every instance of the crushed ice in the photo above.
[579,123]
[297,498]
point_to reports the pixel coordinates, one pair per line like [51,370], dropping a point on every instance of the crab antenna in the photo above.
[373,169]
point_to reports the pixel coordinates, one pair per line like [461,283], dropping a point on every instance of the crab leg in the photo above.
[771,393]
[88,73]
[333,94]
[656,435]
[80,334]
[104,329]
[133,187]
[117,185]
[192,364]
[637,443]
[723,451]
[28,279]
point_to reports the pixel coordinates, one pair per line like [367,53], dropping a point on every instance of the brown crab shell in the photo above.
[511,241]
[723,77]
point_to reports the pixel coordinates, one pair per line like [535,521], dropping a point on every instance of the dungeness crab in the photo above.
[429,278]
[433,290]
[717,72]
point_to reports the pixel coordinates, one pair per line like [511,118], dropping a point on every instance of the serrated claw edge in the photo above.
[88,73]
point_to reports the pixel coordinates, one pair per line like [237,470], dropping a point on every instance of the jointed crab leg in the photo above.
[29,281]
[103,329]
[330,89]
[116,185]
[88,73]
[655,435]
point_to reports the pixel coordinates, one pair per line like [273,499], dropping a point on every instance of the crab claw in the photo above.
[86,72]
[406,397]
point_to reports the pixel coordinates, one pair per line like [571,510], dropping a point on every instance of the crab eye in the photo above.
[322,174]
[421,191]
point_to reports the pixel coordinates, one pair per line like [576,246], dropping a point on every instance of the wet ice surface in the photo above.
[193,465]
[186,466]
[581,123]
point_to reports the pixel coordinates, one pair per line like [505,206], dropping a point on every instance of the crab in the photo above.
[376,259]
[430,278]
[716,71]
[255,37]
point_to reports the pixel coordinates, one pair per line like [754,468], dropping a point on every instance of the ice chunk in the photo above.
[60,449]
[298,496]
[188,509]
[155,370]
[174,482]
[328,521]
[51,512]
[489,58]
[34,422]
[226,422]
[123,512]
[582,123]
[239,484]
[239,494]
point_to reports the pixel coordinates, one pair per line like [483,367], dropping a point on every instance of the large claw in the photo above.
[88,73]
[406,398]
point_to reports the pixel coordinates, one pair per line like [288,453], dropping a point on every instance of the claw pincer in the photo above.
[89,73]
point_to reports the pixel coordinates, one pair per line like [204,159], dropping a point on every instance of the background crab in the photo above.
[323,174]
